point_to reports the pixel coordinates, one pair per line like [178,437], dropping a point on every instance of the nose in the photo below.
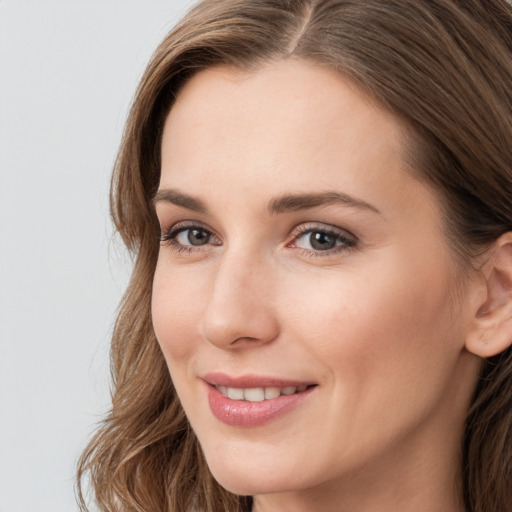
[240,310]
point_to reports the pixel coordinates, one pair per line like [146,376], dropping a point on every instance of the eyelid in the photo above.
[308,227]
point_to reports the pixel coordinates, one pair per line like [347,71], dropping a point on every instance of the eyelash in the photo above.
[348,241]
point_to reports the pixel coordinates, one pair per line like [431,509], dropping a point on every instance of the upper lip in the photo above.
[252,381]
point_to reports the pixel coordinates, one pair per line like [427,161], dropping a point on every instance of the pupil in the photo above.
[322,241]
[197,237]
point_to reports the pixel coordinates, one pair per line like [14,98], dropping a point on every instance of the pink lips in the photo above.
[241,413]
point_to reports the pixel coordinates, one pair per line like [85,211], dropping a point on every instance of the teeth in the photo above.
[258,394]
[254,394]
[235,393]
[272,393]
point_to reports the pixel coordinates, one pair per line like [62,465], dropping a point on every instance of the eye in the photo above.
[319,239]
[189,237]
[193,236]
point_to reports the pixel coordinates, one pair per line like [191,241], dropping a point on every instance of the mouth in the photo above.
[253,401]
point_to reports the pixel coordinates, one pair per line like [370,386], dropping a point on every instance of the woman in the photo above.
[319,198]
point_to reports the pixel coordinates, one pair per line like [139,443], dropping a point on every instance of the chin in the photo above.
[250,476]
[244,484]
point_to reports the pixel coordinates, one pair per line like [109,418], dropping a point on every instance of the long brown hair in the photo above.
[442,66]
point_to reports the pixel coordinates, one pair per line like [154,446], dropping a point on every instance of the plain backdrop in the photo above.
[68,70]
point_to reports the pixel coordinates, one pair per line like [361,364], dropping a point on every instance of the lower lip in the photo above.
[241,413]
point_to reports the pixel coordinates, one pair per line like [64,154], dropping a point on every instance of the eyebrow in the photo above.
[294,202]
[179,199]
[283,204]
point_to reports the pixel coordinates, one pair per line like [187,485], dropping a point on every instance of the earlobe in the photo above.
[491,330]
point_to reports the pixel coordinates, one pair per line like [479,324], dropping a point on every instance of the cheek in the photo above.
[177,302]
[391,327]
[386,346]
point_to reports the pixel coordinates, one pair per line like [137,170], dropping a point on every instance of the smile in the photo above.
[253,401]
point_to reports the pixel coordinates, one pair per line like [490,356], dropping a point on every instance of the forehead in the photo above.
[291,126]
[298,93]
[288,110]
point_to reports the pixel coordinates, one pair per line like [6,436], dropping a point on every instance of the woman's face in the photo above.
[305,274]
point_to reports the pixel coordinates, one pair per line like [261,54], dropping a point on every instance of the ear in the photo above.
[491,329]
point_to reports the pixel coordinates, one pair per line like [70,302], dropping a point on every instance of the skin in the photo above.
[375,322]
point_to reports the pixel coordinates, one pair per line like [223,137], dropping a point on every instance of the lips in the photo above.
[251,401]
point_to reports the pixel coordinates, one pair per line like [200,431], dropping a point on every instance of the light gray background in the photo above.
[68,70]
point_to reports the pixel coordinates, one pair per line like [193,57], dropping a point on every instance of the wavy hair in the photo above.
[445,68]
